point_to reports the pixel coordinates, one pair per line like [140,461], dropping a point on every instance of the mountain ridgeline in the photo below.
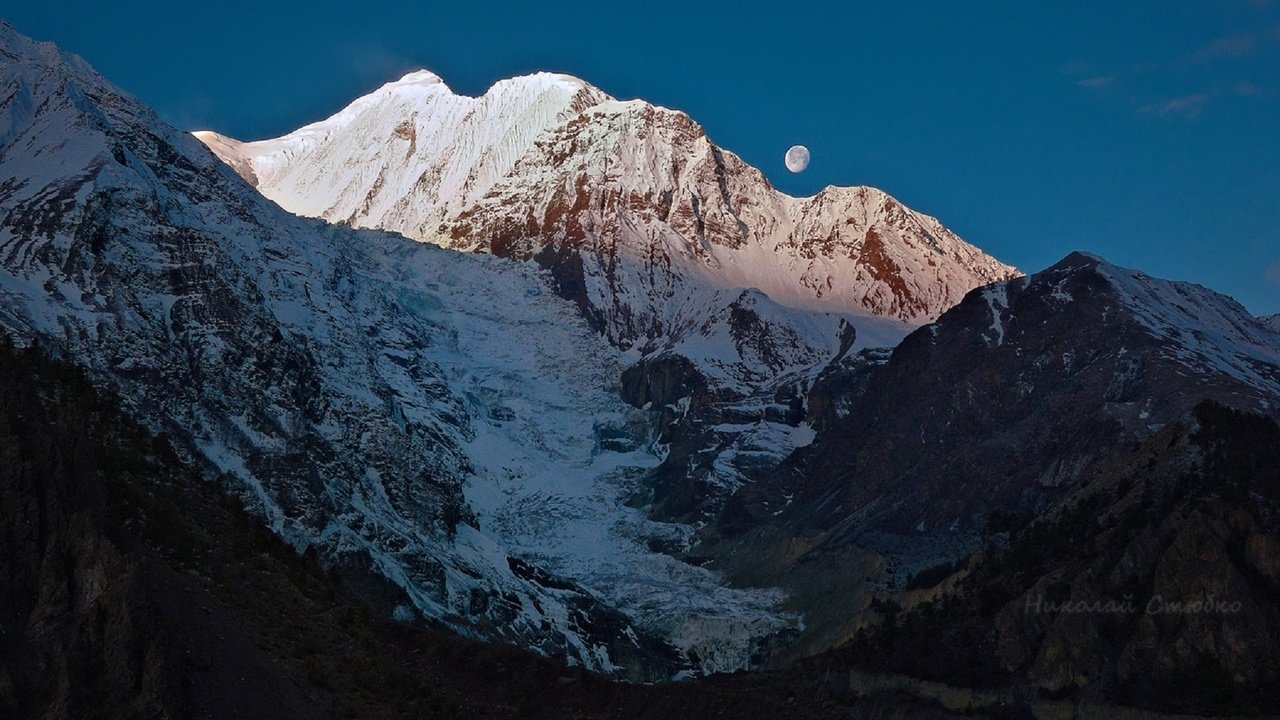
[635,211]
[550,370]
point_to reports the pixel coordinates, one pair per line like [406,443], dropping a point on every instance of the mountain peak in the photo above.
[1205,331]
[865,193]
[614,106]
[527,84]
[417,77]
[408,154]
[547,160]
[999,396]
[541,80]
[1077,259]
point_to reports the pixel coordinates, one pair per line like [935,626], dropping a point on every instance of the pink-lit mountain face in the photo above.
[631,205]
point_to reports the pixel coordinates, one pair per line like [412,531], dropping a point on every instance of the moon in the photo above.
[797,158]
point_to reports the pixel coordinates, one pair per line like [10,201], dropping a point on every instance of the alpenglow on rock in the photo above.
[630,204]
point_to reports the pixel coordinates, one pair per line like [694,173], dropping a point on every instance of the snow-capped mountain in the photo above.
[408,155]
[436,425]
[669,245]
[1271,321]
[635,211]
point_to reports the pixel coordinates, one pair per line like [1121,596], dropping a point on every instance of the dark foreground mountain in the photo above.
[132,587]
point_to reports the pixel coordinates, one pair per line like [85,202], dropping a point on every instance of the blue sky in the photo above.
[1145,131]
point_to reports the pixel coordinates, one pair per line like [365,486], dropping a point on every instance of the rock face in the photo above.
[421,419]
[633,209]
[653,211]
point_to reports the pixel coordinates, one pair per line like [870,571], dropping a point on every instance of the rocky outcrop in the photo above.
[661,380]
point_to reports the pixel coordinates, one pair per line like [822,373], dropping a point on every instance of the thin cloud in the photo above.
[1273,274]
[1227,46]
[1096,82]
[1188,106]
[191,111]
[1244,88]
[373,63]
[1076,68]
